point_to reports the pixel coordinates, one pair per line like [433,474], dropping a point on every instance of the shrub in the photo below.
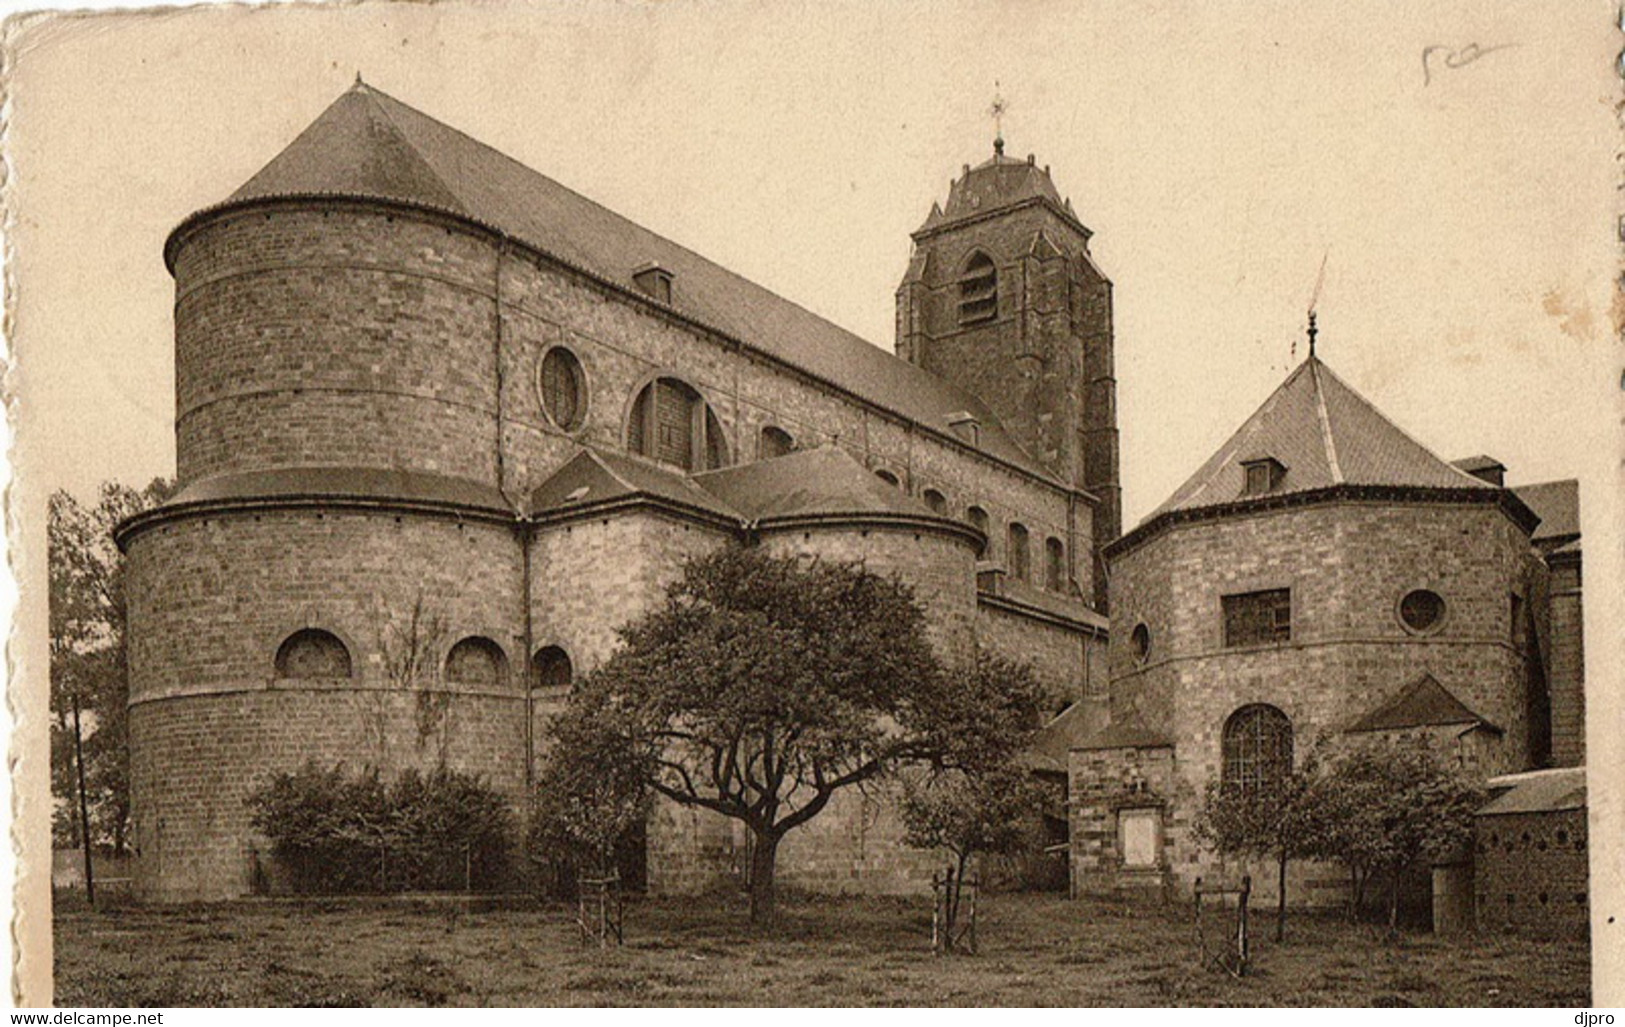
[331,831]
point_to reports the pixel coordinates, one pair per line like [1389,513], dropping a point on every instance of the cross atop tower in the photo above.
[1000,105]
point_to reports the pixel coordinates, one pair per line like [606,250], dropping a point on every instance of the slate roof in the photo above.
[825,481]
[369,145]
[1125,734]
[341,482]
[1325,434]
[1557,503]
[594,476]
[1064,732]
[1424,703]
[996,183]
[1538,791]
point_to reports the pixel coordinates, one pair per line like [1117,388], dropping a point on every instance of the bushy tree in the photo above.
[1392,809]
[975,797]
[87,626]
[1280,818]
[337,831]
[763,686]
[592,791]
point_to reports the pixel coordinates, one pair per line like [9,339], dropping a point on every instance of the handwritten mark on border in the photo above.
[1454,57]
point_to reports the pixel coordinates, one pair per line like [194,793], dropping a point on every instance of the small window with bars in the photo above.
[1258,618]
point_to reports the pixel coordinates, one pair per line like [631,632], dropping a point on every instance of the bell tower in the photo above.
[1002,298]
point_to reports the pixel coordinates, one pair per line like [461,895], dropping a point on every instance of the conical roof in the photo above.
[1323,433]
[823,482]
[594,477]
[370,145]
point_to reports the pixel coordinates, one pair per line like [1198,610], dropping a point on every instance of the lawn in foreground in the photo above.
[1036,950]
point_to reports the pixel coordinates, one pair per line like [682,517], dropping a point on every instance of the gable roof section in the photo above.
[1557,503]
[369,145]
[823,482]
[1425,703]
[593,478]
[1125,734]
[1325,434]
[1538,791]
[1064,732]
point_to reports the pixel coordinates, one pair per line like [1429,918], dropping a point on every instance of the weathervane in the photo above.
[1314,300]
[1000,105]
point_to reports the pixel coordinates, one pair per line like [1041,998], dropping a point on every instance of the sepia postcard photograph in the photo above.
[721,503]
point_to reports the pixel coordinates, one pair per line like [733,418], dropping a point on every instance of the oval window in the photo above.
[1421,611]
[1140,643]
[559,383]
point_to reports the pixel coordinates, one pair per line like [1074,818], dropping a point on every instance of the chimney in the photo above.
[1484,468]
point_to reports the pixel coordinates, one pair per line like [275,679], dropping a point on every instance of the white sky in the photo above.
[1218,151]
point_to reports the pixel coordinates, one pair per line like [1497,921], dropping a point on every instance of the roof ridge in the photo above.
[1407,436]
[1233,444]
[1326,435]
[373,96]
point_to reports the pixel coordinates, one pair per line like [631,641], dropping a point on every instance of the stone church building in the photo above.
[443,425]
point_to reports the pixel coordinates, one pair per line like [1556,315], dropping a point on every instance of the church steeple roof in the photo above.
[998,183]
[1322,434]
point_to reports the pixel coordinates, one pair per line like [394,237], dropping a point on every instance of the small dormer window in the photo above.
[654,280]
[966,427]
[1263,475]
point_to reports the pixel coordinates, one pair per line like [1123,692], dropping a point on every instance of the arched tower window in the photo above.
[551,668]
[312,653]
[935,500]
[673,424]
[477,661]
[1257,746]
[978,290]
[774,442]
[1020,559]
[1054,565]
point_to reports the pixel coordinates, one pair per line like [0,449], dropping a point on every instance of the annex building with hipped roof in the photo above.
[444,425]
[1323,580]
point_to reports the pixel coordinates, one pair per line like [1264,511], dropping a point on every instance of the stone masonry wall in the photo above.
[1530,873]
[1347,566]
[211,599]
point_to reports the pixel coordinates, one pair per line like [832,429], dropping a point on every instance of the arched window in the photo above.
[559,384]
[312,653]
[477,661]
[673,424]
[1054,565]
[1019,558]
[889,478]
[978,519]
[551,668]
[774,442]
[1257,746]
[978,290]
[935,500]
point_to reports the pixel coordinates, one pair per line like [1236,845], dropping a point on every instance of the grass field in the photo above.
[1035,950]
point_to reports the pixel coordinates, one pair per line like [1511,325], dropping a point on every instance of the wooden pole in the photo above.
[84,807]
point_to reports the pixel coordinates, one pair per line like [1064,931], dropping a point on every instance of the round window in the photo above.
[1140,642]
[558,382]
[1421,611]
